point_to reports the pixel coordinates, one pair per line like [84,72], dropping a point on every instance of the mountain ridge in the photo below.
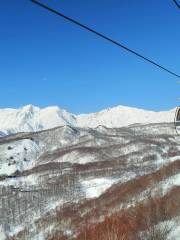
[31,118]
[55,181]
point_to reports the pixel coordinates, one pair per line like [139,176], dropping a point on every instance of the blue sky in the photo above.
[45,60]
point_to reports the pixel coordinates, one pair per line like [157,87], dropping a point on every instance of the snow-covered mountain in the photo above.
[83,183]
[121,116]
[31,118]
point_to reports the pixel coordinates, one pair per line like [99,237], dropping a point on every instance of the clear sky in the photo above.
[45,60]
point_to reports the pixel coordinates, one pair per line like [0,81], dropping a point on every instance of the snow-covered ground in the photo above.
[69,165]
[30,180]
[18,156]
[2,234]
[175,232]
[96,186]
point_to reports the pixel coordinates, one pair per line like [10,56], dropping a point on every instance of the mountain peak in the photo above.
[29,108]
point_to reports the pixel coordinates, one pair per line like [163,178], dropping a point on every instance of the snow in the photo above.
[175,233]
[19,155]
[30,180]
[95,187]
[53,205]
[2,234]
[31,118]
[170,182]
[162,161]
[160,188]
[172,228]
[122,116]
[76,157]
[15,230]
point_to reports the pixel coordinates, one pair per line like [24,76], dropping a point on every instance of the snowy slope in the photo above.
[18,156]
[122,116]
[31,118]
[82,170]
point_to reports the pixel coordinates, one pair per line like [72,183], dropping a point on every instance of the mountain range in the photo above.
[114,174]
[31,118]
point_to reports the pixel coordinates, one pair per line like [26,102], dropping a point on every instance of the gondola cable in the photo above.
[177,4]
[104,37]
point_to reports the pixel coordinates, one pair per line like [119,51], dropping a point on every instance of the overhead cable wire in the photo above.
[104,37]
[177,4]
